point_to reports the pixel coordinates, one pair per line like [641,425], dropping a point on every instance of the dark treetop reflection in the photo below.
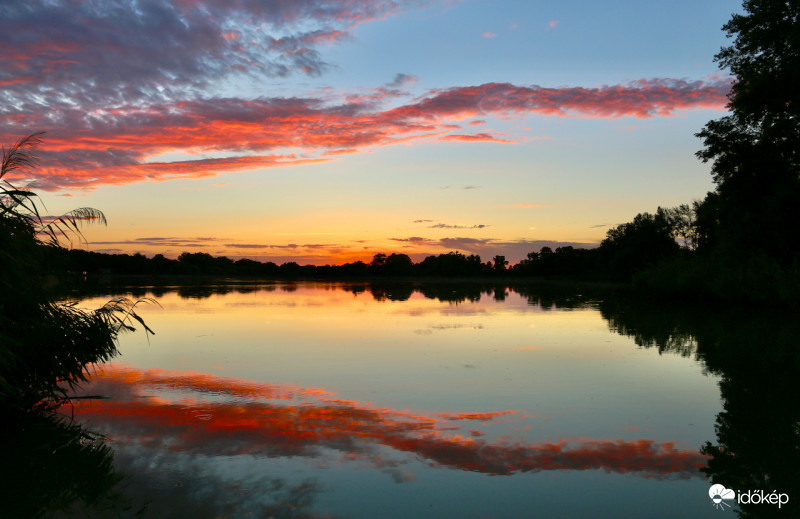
[756,353]
[54,465]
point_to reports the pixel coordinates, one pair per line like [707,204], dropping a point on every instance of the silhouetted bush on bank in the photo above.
[46,346]
[752,279]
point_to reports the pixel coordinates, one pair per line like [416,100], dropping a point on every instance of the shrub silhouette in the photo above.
[46,346]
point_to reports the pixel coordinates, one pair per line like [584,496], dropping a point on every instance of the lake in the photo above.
[434,400]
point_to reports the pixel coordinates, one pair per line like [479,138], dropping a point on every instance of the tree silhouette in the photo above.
[452,264]
[500,263]
[644,241]
[378,261]
[755,151]
[45,346]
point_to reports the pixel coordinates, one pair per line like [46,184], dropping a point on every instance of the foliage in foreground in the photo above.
[46,346]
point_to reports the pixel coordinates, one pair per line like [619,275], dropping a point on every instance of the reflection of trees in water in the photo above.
[563,296]
[54,466]
[454,293]
[187,291]
[547,295]
[206,291]
[391,292]
[757,357]
[665,328]
[177,486]
[758,437]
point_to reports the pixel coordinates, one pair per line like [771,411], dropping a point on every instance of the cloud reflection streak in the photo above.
[204,414]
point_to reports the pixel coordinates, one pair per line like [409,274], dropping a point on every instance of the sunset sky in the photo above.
[325,131]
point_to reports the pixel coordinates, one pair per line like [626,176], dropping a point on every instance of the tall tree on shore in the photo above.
[755,151]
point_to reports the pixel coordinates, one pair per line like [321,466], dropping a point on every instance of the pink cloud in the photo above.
[640,99]
[485,137]
[489,35]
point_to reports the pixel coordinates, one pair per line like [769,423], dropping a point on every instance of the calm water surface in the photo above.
[337,400]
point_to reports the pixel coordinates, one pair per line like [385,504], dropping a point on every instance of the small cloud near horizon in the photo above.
[413,239]
[164,241]
[448,226]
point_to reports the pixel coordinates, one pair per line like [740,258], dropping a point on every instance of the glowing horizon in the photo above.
[319,132]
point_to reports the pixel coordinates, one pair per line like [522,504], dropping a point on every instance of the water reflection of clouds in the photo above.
[204,414]
[442,310]
[446,327]
[469,326]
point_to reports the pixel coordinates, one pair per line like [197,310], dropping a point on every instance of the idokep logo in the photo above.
[719,494]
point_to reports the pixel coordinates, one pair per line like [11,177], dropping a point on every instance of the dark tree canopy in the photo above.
[644,241]
[765,61]
[755,151]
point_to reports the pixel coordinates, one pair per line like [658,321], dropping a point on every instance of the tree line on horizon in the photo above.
[627,248]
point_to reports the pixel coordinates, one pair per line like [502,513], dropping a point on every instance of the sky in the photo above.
[326,131]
